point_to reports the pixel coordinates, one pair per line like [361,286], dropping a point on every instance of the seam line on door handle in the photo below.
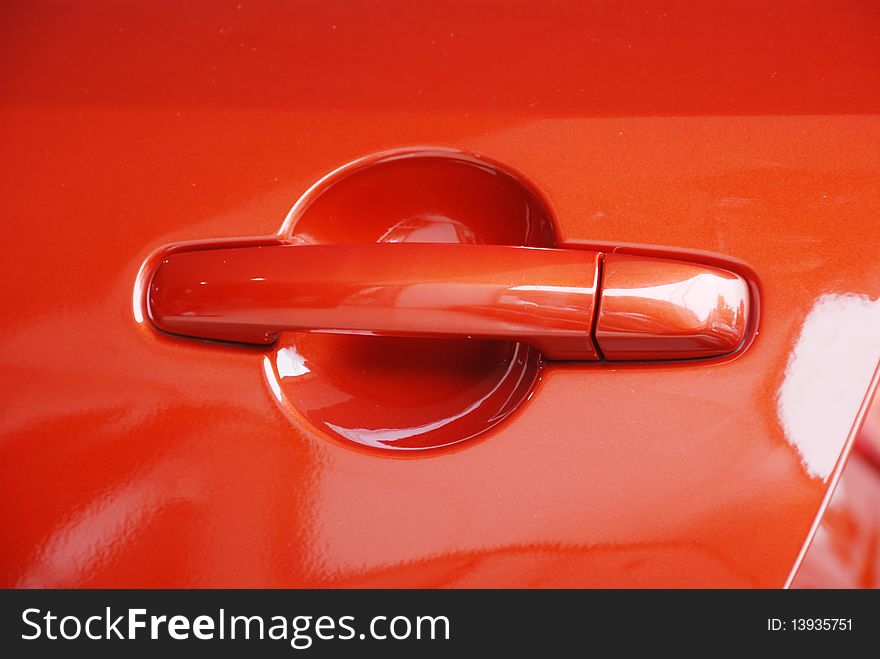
[600,262]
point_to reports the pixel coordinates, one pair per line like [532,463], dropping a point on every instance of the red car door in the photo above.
[741,138]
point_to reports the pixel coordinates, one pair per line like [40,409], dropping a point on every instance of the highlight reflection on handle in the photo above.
[663,309]
[543,297]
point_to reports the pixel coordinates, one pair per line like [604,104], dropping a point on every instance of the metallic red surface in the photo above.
[132,458]
[845,552]
[400,395]
[409,395]
[656,308]
[543,297]
[868,444]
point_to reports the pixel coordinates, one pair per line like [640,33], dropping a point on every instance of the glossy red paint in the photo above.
[407,395]
[256,289]
[132,458]
[543,297]
[657,308]
[868,444]
[845,552]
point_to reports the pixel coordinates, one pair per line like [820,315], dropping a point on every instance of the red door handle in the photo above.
[649,308]
[543,297]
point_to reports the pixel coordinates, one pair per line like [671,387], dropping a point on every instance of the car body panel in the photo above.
[132,458]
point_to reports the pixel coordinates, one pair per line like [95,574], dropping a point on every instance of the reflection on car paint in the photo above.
[827,374]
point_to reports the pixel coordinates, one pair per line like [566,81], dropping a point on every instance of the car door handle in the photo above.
[647,308]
